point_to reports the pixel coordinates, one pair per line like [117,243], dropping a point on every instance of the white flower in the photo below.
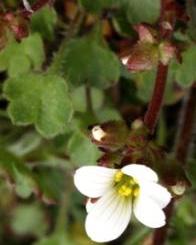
[132,189]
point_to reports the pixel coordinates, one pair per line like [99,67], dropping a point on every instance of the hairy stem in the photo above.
[154,107]
[160,234]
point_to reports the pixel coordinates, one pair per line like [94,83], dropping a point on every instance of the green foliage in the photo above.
[184,216]
[29,219]
[136,10]
[108,114]
[46,112]
[80,102]
[81,150]
[191,172]
[19,58]
[85,60]
[185,73]
[39,99]
[56,239]
[18,173]
[97,6]
[26,144]
[145,82]
[44,22]
[142,10]
[51,183]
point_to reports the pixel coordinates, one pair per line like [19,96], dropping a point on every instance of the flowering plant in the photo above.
[97,98]
[132,189]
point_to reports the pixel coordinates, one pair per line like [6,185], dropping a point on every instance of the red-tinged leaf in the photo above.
[145,34]
[144,56]
[17,24]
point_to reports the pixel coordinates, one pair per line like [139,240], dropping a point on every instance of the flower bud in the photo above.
[110,136]
[98,133]
[17,24]
[179,188]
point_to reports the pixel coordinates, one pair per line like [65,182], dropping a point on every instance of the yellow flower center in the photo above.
[126,185]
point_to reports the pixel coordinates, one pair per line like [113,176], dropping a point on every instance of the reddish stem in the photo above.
[154,107]
[153,111]
[160,234]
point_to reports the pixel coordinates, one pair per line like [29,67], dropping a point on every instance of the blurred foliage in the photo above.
[57,82]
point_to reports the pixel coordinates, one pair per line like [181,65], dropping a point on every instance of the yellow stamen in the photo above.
[118,176]
[125,185]
[136,191]
[132,182]
[124,190]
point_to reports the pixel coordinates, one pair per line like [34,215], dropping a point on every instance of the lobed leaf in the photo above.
[42,100]
[86,60]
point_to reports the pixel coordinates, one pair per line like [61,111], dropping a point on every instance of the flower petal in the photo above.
[93,181]
[108,218]
[148,212]
[156,192]
[140,172]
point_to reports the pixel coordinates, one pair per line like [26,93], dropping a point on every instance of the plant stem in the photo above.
[154,107]
[186,126]
[183,142]
[153,112]
[160,234]
[62,217]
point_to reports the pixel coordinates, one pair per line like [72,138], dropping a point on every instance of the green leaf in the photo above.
[19,65]
[122,25]
[12,167]
[81,150]
[86,60]
[19,58]
[51,183]
[185,73]
[33,48]
[97,6]
[108,114]
[79,98]
[55,239]
[29,220]
[44,22]
[142,10]
[26,144]
[39,99]
[191,172]
[145,84]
